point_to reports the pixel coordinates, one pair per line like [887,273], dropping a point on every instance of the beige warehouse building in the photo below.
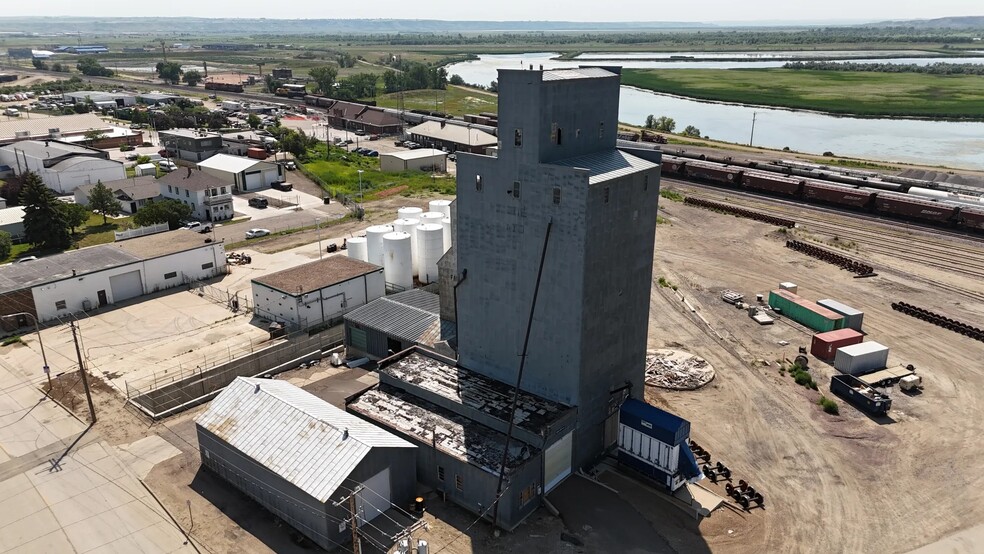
[423,159]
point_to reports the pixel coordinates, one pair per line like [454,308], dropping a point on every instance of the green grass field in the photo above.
[842,92]
[338,173]
[454,100]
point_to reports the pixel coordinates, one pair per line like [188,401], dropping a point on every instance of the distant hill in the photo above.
[963,22]
[252,27]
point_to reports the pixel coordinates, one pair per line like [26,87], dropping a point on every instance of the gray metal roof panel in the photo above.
[60,266]
[405,316]
[607,165]
[293,433]
[577,73]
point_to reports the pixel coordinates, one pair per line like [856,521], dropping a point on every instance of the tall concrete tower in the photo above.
[557,163]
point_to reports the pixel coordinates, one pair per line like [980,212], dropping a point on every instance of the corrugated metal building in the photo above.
[655,443]
[394,323]
[459,419]
[853,318]
[296,455]
[860,358]
[804,312]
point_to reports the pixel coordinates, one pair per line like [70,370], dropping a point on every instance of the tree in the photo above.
[93,135]
[75,215]
[271,84]
[324,78]
[44,225]
[6,245]
[494,86]
[101,200]
[193,77]
[169,72]
[253,121]
[650,122]
[691,131]
[89,65]
[38,63]
[167,211]
[665,124]
[456,80]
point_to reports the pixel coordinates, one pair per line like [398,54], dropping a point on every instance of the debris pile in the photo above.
[676,370]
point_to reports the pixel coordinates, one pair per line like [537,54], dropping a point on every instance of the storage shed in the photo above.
[825,345]
[655,443]
[806,313]
[394,323]
[861,358]
[245,174]
[422,159]
[853,319]
[296,455]
[317,292]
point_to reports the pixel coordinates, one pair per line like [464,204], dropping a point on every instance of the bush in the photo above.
[802,377]
[828,405]
[5,245]
[671,195]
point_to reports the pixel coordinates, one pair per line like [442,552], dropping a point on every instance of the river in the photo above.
[953,144]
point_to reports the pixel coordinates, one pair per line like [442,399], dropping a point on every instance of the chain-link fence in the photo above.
[235,301]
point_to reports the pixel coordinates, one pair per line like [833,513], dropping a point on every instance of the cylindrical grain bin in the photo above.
[397,264]
[409,226]
[430,240]
[374,238]
[432,217]
[409,212]
[443,206]
[358,248]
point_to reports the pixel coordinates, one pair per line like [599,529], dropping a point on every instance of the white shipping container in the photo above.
[861,358]
[853,318]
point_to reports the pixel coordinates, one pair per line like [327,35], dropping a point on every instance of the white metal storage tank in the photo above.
[357,248]
[409,212]
[432,217]
[446,224]
[443,206]
[409,226]
[374,238]
[430,239]
[397,260]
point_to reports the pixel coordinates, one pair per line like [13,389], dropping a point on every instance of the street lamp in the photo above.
[360,187]
[37,329]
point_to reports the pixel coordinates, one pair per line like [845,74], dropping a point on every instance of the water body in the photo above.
[955,144]
[781,54]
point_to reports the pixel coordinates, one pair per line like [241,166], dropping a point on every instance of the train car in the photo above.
[771,183]
[225,87]
[671,165]
[837,195]
[971,218]
[712,173]
[911,207]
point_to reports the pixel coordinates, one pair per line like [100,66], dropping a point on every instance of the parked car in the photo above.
[255,233]
[167,166]
[398,142]
[257,202]
[290,165]
[371,153]
[360,133]
[373,137]
[283,185]
[193,224]
[362,151]
[452,156]
[26,259]
[207,228]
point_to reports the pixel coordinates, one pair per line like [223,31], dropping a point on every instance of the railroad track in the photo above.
[961,254]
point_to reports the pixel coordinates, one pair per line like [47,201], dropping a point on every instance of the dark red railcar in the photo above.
[838,195]
[908,207]
[671,166]
[772,183]
[712,173]
[972,218]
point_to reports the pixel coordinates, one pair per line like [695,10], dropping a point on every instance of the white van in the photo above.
[12,112]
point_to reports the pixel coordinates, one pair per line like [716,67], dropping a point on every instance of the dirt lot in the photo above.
[851,475]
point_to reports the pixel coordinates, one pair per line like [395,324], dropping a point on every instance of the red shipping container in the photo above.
[257,153]
[825,345]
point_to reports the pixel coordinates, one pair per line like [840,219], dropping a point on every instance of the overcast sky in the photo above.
[573,10]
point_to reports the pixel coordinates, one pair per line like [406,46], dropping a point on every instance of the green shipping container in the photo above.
[812,315]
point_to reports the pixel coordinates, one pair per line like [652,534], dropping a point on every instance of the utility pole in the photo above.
[407,533]
[163,51]
[85,379]
[354,521]
[752,136]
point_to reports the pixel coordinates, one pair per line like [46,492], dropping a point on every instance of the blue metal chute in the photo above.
[688,467]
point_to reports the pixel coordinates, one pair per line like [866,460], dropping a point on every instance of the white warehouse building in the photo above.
[246,174]
[422,159]
[61,165]
[91,278]
[317,292]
